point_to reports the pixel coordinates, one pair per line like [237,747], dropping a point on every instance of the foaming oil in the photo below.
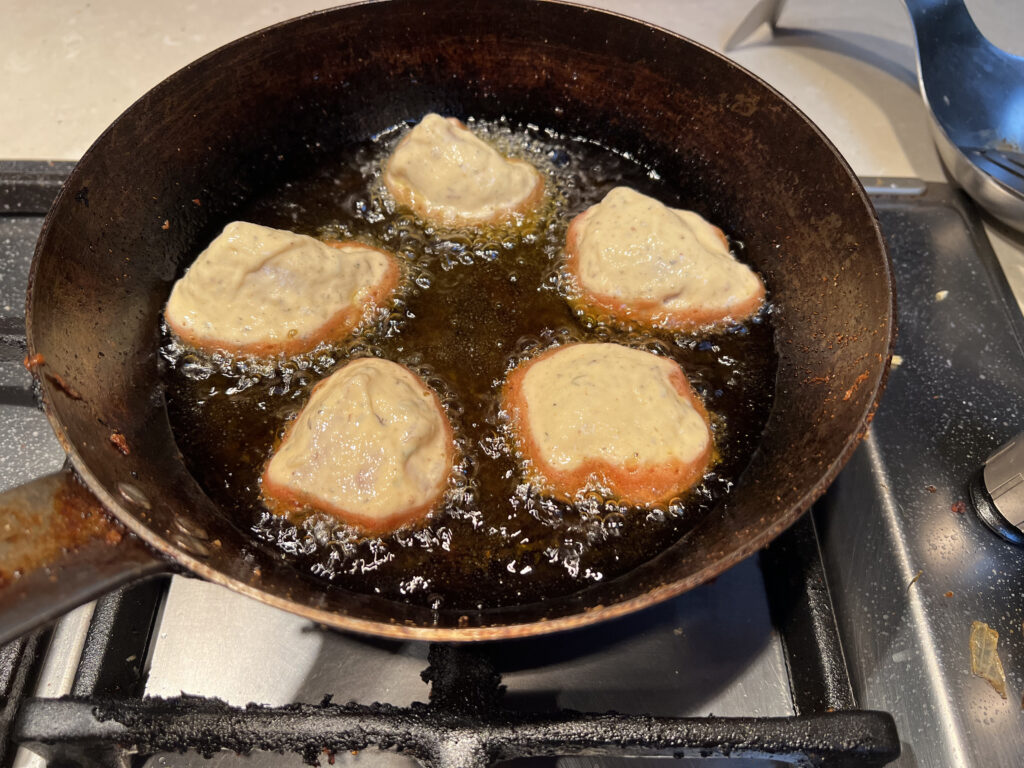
[475,303]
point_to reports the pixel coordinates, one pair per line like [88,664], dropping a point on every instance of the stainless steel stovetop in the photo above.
[908,570]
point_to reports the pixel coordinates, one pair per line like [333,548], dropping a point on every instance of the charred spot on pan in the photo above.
[58,381]
[745,104]
[82,196]
[856,383]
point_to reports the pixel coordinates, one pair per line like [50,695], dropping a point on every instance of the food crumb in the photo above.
[949,594]
[959,507]
[897,361]
[856,383]
[985,661]
[941,295]
[678,631]
[913,581]
[120,442]
[33,362]
[166,224]
[930,488]
[113,536]
[196,201]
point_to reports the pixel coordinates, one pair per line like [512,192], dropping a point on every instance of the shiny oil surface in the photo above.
[475,304]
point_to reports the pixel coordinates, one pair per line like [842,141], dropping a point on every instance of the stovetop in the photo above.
[905,567]
[910,565]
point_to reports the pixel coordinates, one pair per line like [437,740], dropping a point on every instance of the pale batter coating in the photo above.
[449,177]
[373,447]
[609,418]
[633,259]
[263,291]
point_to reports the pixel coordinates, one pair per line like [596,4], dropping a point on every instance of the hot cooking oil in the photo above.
[474,303]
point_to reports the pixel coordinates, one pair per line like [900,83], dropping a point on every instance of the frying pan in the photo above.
[167,175]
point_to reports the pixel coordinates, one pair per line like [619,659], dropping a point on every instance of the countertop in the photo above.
[68,69]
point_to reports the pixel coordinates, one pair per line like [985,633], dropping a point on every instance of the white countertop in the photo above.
[69,68]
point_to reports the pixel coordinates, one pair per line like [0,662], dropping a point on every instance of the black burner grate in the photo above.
[463,726]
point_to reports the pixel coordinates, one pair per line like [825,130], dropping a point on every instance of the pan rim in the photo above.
[476,633]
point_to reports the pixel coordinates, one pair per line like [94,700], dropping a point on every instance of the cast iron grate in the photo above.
[465,724]
[91,729]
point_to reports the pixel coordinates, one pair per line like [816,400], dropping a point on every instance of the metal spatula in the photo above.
[975,92]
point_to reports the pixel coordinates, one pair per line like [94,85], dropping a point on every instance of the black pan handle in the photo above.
[59,549]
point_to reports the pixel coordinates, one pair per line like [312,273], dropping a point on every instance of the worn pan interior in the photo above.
[170,172]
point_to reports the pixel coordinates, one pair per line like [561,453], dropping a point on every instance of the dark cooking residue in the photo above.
[476,303]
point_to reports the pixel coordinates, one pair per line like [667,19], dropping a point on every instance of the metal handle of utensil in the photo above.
[997,491]
[59,549]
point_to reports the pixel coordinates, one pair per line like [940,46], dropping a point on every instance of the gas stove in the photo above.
[866,604]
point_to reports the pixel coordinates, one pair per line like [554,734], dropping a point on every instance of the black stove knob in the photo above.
[998,491]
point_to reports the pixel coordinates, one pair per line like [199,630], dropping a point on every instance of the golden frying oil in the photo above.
[476,303]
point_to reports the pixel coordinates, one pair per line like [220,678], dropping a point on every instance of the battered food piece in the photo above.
[263,291]
[634,259]
[451,178]
[373,447]
[608,418]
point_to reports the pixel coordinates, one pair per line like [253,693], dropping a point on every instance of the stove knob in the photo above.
[998,491]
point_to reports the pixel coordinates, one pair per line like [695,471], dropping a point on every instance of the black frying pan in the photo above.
[229,125]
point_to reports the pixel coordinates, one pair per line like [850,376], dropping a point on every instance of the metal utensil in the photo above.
[976,95]
[975,92]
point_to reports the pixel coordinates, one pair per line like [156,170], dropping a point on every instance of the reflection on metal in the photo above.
[998,490]
[975,92]
[58,670]
[711,650]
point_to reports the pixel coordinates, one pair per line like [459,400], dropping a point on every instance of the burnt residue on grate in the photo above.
[463,726]
[439,738]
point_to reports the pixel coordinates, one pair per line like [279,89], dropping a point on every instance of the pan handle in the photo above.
[59,549]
